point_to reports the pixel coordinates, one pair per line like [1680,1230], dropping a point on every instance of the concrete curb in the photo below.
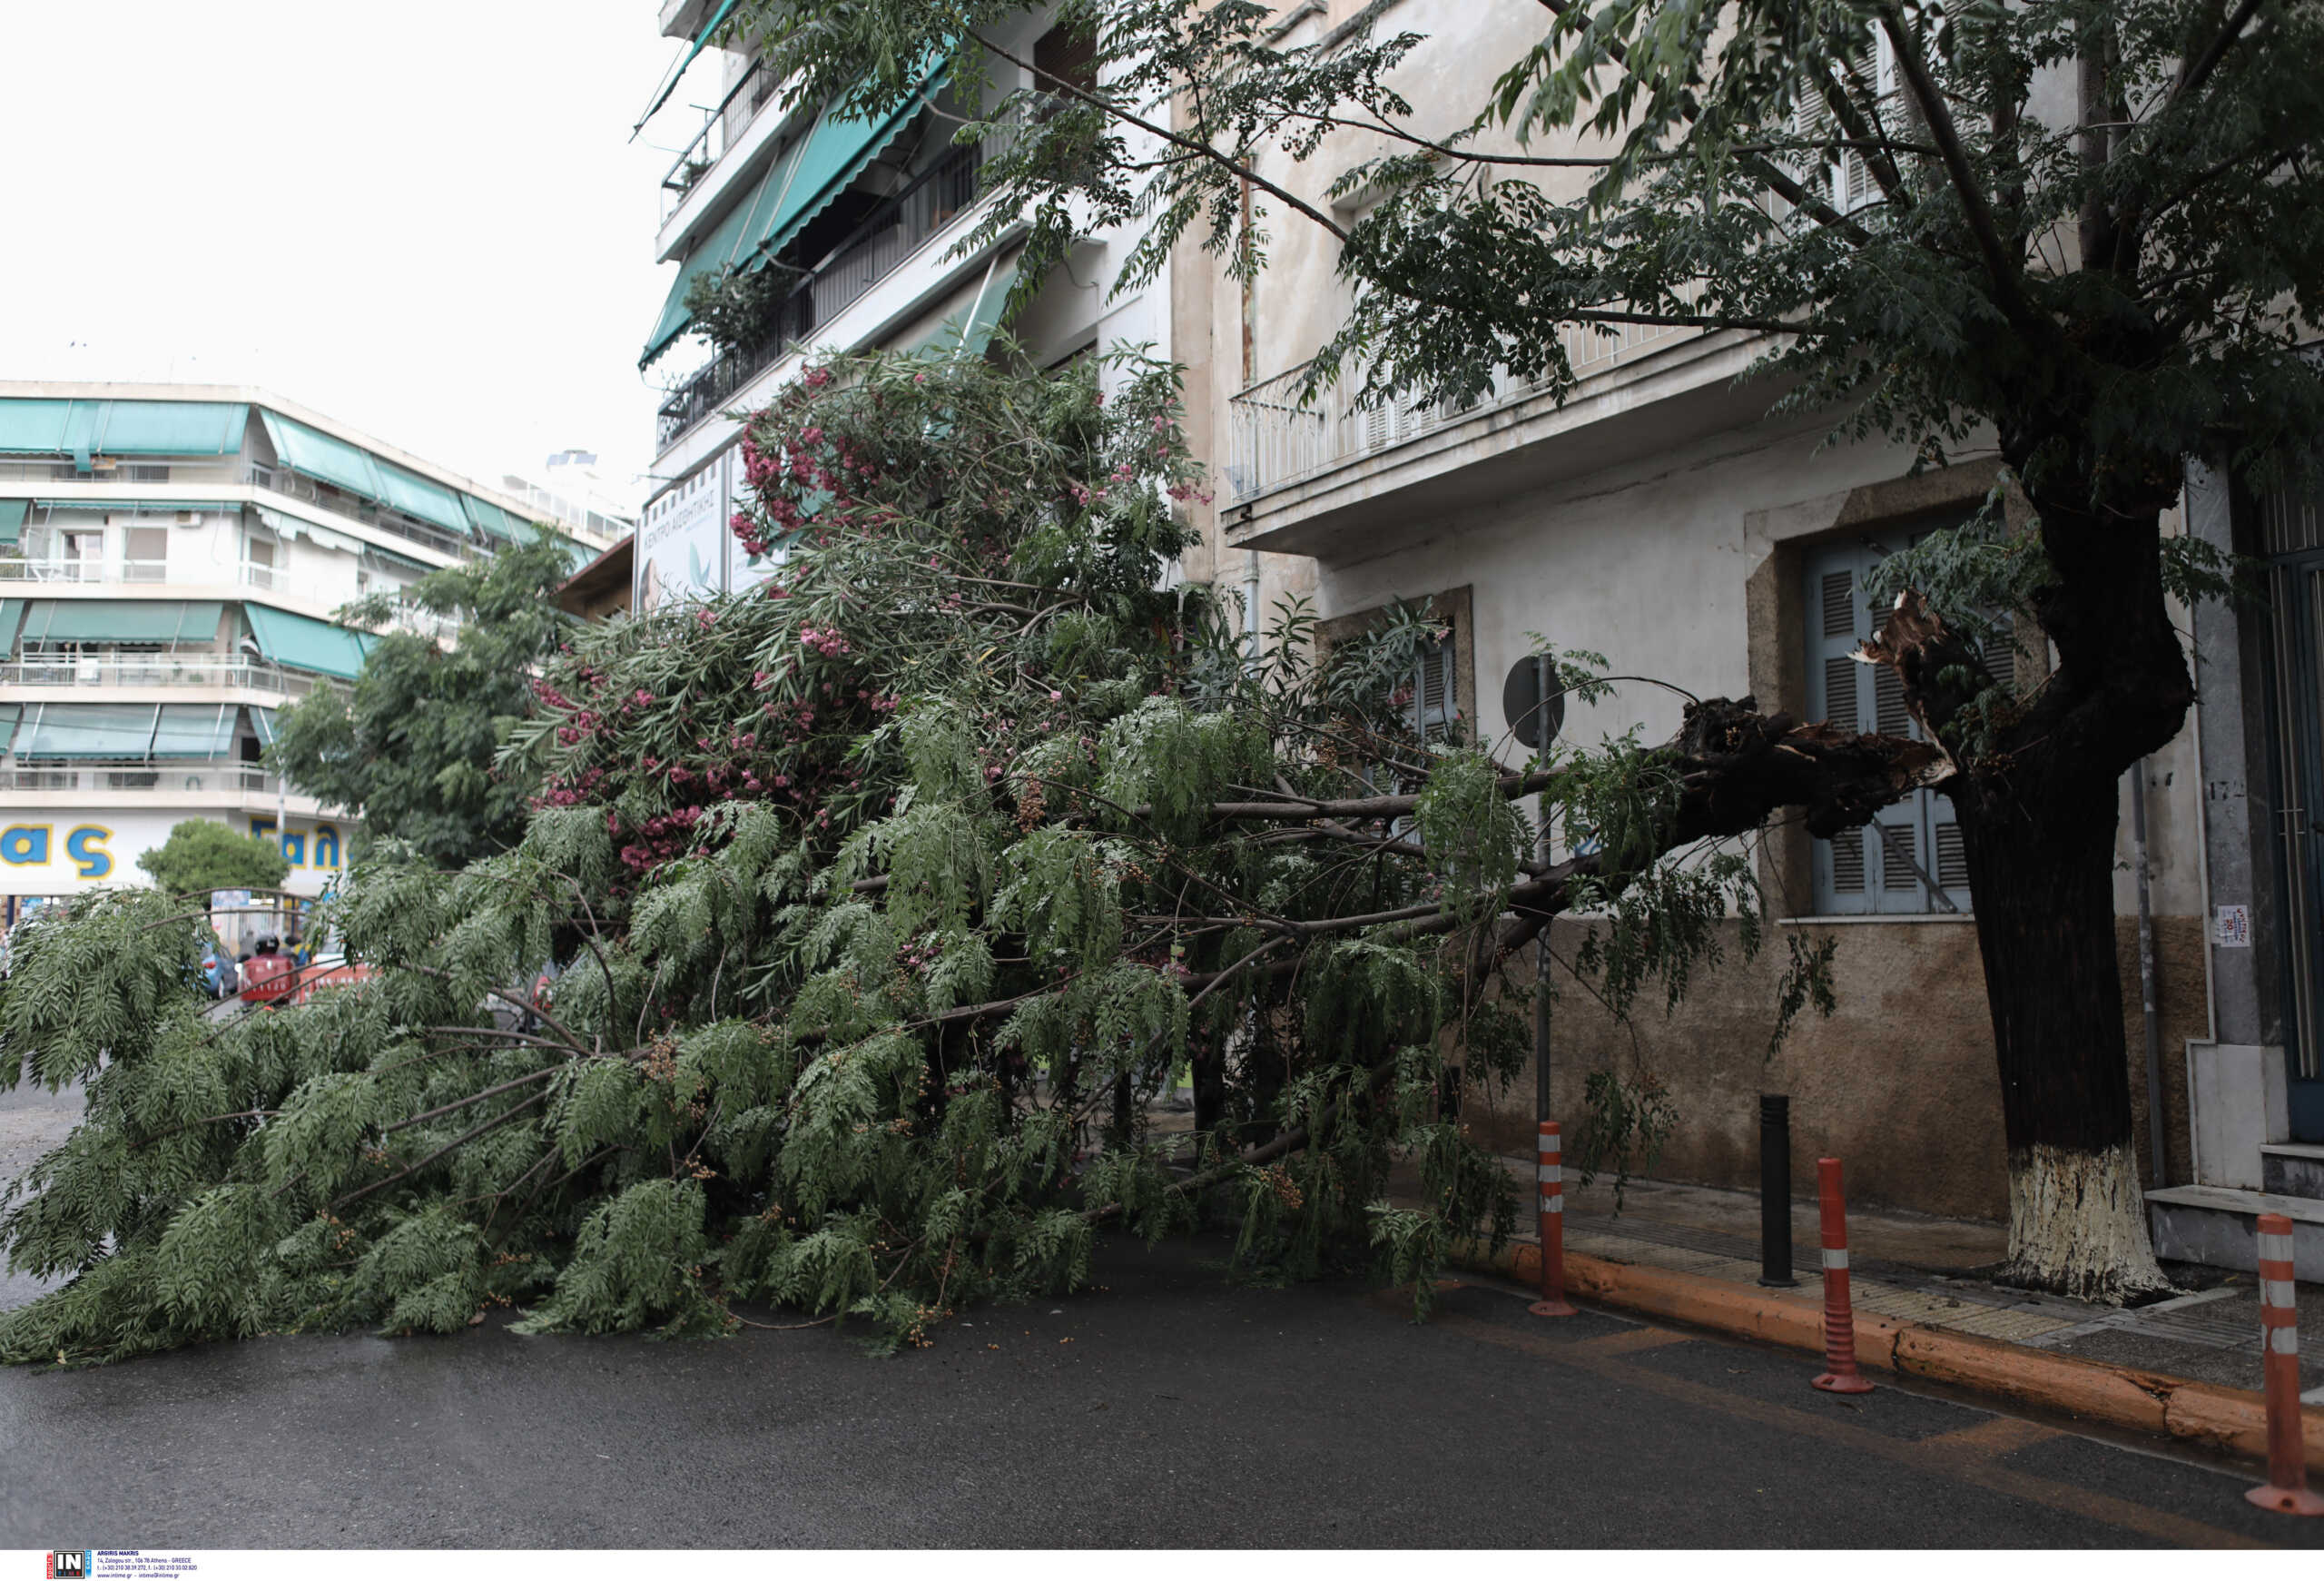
[2230,1420]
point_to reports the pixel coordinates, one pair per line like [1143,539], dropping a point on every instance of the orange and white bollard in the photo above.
[1550,1176]
[1840,1375]
[2287,1490]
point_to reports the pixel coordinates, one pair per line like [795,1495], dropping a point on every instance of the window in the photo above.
[1435,691]
[146,554]
[1909,859]
[1063,56]
[145,472]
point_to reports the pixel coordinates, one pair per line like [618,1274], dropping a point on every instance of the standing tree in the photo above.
[886,900]
[410,748]
[202,854]
[2086,230]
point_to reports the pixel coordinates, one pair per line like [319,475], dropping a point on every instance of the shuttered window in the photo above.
[1910,858]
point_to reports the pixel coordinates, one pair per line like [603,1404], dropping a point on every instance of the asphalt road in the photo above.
[1169,1408]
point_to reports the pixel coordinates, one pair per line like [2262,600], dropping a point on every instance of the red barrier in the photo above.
[1550,1174]
[1840,1375]
[2287,1490]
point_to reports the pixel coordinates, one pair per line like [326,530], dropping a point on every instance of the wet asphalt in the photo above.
[1168,1407]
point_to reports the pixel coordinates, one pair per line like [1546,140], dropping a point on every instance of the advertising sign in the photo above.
[681,543]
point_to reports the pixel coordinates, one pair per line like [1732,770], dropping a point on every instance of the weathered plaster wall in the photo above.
[1899,1081]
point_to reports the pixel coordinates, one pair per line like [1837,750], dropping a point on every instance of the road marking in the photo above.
[1623,1344]
[2000,1436]
[1930,1457]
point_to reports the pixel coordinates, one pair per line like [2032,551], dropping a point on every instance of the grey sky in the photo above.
[421,218]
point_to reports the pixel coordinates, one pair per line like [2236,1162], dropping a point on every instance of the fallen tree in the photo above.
[882,902]
[2082,239]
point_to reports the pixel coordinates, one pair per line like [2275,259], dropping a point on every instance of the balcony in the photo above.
[173,779]
[722,129]
[876,249]
[156,669]
[282,480]
[1274,441]
[404,617]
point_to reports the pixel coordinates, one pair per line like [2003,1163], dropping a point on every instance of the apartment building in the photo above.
[1662,516]
[863,218]
[171,558]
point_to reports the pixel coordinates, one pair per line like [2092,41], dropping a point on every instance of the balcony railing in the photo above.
[282,480]
[876,249]
[154,669]
[145,573]
[168,778]
[1274,440]
[722,129]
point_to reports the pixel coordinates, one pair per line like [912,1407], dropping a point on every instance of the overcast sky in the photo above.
[422,218]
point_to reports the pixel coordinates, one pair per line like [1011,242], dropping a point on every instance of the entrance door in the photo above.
[2295,601]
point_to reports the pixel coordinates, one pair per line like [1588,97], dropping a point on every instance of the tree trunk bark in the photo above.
[2042,871]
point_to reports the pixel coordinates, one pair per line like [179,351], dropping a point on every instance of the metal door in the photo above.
[2296,610]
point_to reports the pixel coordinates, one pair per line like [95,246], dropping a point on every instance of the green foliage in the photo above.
[410,748]
[876,908]
[204,854]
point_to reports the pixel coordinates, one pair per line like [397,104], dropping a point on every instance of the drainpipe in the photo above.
[2155,1110]
[1251,607]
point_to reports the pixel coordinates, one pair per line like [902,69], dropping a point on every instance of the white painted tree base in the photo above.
[2077,1225]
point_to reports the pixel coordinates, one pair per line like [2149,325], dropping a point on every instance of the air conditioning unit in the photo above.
[189,518]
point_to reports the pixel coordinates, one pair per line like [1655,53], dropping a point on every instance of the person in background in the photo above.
[264,973]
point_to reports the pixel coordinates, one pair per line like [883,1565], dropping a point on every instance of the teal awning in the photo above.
[137,507]
[489,520]
[127,730]
[304,643]
[701,40]
[84,429]
[12,519]
[263,722]
[420,497]
[9,714]
[968,331]
[286,524]
[121,620]
[194,730]
[88,730]
[11,615]
[802,181]
[320,455]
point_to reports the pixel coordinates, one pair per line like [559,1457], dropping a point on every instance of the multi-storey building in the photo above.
[171,558]
[1664,516]
[863,218]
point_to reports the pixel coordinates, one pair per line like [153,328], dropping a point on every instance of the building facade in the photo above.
[171,560]
[864,217]
[1662,516]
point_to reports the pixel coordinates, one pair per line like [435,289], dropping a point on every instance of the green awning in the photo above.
[138,507]
[576,553]
[802,181]
[9,714]
[489,520]
[11,615]
[194,730]
[12,519]
[968,331]
[304,643]
[35,428]
[89,730]
[320,455]
[286,524]
[121,620]
[263,722]
[84,429]
[701,40]
[422,498]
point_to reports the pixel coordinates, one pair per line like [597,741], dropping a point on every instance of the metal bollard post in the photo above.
[1550,1173]
[1840,1375]
[2287,1490]
[1774,1191]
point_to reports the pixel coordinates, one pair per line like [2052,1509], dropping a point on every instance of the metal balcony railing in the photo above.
[1273,440]
[875,249]
[163,778]
[156,669]
[282,480]
[722,129]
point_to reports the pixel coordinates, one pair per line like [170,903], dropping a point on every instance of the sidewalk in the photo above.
[1928,1270]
